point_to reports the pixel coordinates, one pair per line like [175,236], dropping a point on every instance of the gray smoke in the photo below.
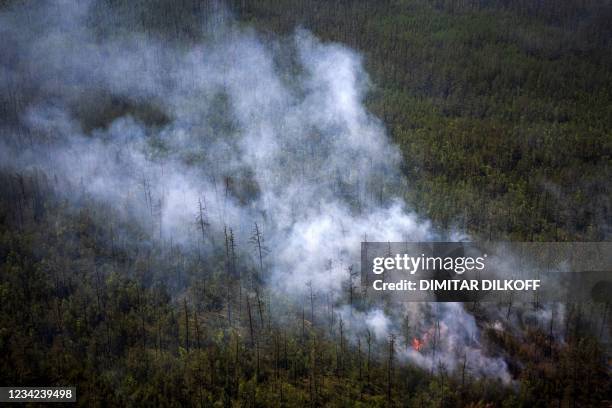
[267,131]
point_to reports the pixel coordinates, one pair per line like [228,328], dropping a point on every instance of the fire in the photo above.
[417,344]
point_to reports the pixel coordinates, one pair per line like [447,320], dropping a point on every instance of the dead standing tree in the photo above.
[351,287]
[234,270]
[369,358]
[202,222]
[390,369]
[257,239]
[186,324]
[311,296]
[228,275]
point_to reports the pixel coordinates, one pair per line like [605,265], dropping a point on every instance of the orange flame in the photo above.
[417,344]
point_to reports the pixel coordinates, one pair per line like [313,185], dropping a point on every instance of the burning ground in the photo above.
[235,175]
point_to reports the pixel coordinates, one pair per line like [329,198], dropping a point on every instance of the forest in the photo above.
[185,186]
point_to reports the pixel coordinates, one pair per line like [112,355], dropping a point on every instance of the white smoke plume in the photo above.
[260,130]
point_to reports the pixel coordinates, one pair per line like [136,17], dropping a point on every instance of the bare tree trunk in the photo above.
[369,361]
[250,320]
[228,277]
[197,329]
[309,284]
[390,368]
[186,325]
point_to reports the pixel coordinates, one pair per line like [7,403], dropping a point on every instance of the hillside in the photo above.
[184,187]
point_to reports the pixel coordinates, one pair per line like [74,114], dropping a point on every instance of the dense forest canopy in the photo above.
[502,109]
[184,186]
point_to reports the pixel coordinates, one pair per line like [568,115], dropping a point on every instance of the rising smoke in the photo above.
[259,130]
